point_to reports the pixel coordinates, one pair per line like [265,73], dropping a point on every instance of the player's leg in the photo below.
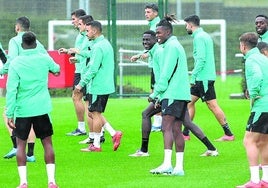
[115,134]
[255,143]
[21,160]
[172,115]
[97,107]
[217,111]
[179,147]
[157,123]
[97,128]
[13,151]
[252,150]
[90,125]
[90,138]
[209,96]
[191,110]
[49,160]
[220,116]
[94,121]
[44,130]
[178,110]
[191,106]
[196,92]
[262,123]
[146,124]
[22,130]
[264,159]
[80,112]
[31,143]
[79,106]
[79,109]
[146,129]
[166,166]
[48,150]
[211,150]
[157,118]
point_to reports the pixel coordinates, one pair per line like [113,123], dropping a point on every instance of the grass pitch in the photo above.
[110,169]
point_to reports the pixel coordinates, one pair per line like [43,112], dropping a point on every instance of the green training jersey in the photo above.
[173,82]
[83,56]
[101,68]
[152,24]
[264,37]
[78,43]
[15,49]
[203,53]
[155,55]
[256,71]
[27,84]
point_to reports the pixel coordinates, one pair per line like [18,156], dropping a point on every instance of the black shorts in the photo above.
[199,91]
[260,126]
[152,79]
[97,103]
[177,108]
[87,97]
[41,124]
[77,78]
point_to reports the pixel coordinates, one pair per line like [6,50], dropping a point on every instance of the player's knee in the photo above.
[144,114]
[77,97]
[261,143]
[212,106]
[248,140]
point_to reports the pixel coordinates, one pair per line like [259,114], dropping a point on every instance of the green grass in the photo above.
[140,85]
[115,169]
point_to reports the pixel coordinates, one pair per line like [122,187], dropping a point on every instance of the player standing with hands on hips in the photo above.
[256,135]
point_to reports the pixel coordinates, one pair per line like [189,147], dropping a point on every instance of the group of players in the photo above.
[174,99]
[254,48]
[170,88]
[172,94]
[27,99]
[28,102]
[101,70]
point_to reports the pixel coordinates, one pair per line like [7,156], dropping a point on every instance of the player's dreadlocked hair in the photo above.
[166,22]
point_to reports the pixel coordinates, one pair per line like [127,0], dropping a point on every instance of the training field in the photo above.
[116,169]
